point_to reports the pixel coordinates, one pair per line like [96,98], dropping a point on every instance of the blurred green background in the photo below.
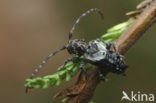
[31,29]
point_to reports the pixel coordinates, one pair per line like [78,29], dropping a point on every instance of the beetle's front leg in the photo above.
[82,67]
[115,48]
[108,45]
[102,77]
[71,59]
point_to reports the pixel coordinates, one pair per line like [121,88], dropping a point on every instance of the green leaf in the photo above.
[68,76]
[58,82]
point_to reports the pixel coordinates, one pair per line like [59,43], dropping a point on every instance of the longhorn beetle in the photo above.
[96,52]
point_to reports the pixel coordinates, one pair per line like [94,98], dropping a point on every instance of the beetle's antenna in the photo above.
[45,61]
[42,64]
[83,15]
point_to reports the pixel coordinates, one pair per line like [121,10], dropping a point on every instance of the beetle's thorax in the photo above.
[95,51]
[77,47]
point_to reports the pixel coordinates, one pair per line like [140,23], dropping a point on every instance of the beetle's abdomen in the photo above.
[112,63]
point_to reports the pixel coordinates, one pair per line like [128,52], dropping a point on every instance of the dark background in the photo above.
[31,29]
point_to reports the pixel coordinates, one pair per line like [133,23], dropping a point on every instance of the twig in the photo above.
[76,95]
[144,21]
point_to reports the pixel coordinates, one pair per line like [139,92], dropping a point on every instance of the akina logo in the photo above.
[138,96]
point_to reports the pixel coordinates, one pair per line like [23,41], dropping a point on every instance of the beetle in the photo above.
[96,52]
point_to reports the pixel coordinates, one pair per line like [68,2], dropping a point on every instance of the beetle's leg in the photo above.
[115,48]
[102,77]
[102,41]
[108,45]
[73,59]
[82,67]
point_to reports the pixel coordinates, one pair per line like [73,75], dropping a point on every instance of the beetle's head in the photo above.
[77,47]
